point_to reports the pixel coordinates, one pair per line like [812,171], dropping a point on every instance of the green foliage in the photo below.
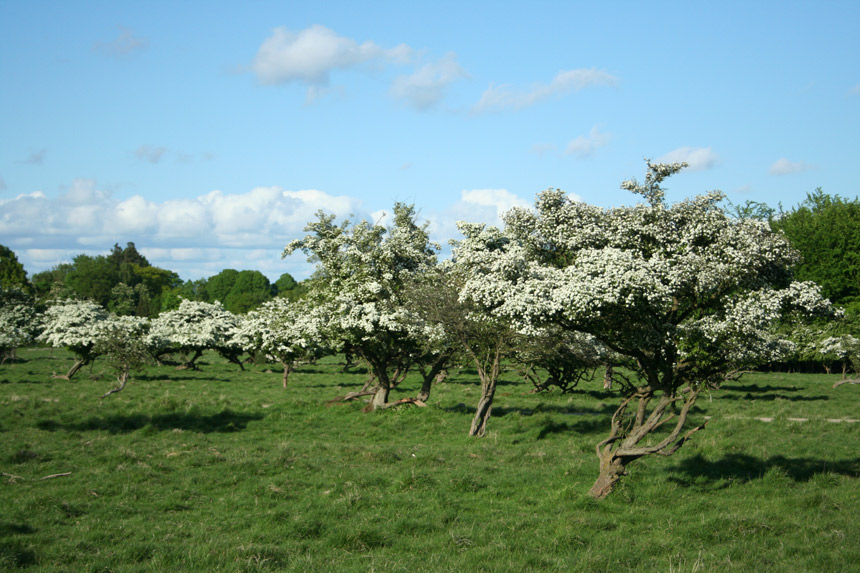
[122,281]
[250,290]
[218,287]
[825,230]
[12,273]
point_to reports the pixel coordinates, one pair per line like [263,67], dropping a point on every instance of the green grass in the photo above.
[222,470]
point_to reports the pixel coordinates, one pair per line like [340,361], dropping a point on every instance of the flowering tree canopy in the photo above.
[74,324]
[285,331]
[18,322]
[361,272]
[685,293]
[194,327]
[122,345]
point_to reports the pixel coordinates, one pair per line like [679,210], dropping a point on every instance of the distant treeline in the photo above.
[125,283]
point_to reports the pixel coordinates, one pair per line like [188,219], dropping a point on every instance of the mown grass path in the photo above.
[222,470]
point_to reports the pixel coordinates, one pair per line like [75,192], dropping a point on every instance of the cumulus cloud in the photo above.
[497,98]
[697,158]
[124,44]
[264,218]
[309,56]
[586,145]
[149,153]
[785,167]
[426,86]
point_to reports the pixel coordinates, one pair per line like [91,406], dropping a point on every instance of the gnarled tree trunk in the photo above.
[622,446]
[121,378]
[79,363]
[489,372]
[432,375]
[288,368]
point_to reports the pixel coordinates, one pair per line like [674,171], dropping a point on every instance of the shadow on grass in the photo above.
[589,426]
[772,397]
[225,421]
[499,412]
[756,388]
[747,468]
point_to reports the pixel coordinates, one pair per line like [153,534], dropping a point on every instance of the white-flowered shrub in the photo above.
[194,327]
[18,321]
[73,324]
[284,331]
[362,269]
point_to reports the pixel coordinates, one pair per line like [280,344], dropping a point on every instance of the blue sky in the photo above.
[209,133]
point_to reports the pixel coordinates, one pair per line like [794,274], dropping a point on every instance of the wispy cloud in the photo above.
[425,87]
[124,44]
[586,145]
[310,56]
[35,158]
[149,153]
[497,98]
[697,158]
[783,166]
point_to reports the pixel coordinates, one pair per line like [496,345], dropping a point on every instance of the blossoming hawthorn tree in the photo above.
[286,331]
[361,271]
[18,322]
[73,324]
[685,293]
[194,327]
[121,342]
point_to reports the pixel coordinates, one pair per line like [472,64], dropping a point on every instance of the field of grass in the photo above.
[223,470]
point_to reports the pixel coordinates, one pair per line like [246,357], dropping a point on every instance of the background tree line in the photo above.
[126,284]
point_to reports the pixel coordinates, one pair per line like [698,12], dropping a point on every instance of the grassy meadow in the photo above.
[223,470]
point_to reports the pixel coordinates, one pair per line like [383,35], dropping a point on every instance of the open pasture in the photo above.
[223,470]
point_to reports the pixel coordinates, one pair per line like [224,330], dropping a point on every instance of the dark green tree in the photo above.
[825,230]
[12,273]
[250,290]
[220,285]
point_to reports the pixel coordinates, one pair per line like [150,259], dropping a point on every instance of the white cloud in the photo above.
[264,218]
[426,86]
[505,97]
[310,56]
[855,90]
[585,146]
[125,43]
[785,167]
[697,158]
[501,200]
[149,153]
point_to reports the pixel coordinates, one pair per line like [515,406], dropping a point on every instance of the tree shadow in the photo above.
[181,378]
[224,421]
[502,411]
[772,397]
[756,388]
[588,426]
[745,468]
